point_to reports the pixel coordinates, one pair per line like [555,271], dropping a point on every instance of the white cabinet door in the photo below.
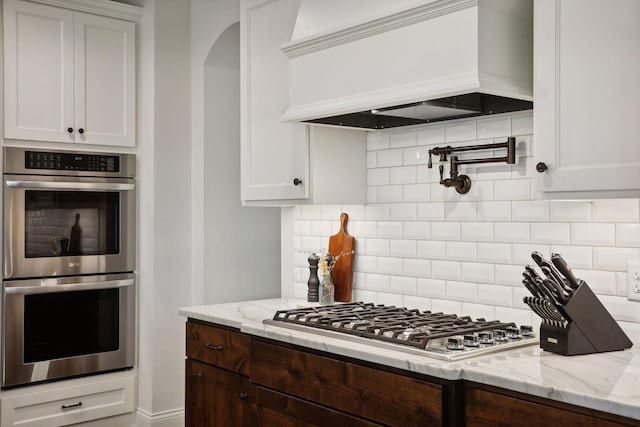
[587,97]
[38,66]
[69,76]
[273,153]
[105,80]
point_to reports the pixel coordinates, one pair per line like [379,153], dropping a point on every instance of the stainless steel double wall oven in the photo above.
[68,301]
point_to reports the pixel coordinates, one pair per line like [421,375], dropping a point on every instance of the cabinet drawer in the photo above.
[383,397]
[68,405]
[218,346]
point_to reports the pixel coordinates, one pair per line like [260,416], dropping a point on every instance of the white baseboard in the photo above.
[172,418]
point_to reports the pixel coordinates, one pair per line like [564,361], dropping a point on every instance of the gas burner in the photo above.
[439,335]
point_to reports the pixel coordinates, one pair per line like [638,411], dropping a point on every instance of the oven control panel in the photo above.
[71,161]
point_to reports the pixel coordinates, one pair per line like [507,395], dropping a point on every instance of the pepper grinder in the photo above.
[313,283]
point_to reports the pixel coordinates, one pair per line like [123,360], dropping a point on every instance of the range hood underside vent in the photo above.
[449,108]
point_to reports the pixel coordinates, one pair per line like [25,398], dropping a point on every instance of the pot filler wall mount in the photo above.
[462,183]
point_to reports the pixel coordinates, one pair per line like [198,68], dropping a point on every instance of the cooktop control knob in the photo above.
[513,333]
[470,341]
[485,338]
[455,343]
[526,330]
[500,335]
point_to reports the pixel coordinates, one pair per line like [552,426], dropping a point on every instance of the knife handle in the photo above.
[557,291]
[564,268]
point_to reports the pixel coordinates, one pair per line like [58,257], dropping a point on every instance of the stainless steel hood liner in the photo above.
[465,57]
[449,108]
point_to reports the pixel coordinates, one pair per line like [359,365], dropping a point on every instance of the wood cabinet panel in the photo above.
[277,409]
[370,393]
[485,408]
[218,346]
[214,397]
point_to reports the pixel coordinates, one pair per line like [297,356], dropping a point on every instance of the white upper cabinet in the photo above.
[285,163]
[587,98]
[69,76]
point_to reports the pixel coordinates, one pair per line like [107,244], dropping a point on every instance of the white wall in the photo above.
[422,245]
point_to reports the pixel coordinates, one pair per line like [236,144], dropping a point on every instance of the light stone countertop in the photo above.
[608,382]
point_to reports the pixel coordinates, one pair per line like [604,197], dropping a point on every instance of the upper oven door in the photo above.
[60,225]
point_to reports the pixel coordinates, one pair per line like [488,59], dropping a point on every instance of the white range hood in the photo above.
[349,57]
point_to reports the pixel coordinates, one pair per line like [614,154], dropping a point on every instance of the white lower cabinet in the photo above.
[587,98]
[56,404]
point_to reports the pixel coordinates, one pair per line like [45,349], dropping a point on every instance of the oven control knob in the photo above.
[485,338]
[526,330]
[500,335]
[513,333]
[470,341]
[455,343]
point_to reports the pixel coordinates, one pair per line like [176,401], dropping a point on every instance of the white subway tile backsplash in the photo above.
[402,211]
[378,176]
[416,192]
[460,211]
[431,249]
[476,231]
[462,251]
[462,291]
[431,288]
[388,265]
[537,210]
[378,247]
[552,233]
[417,267]
[495,295]
[445,230]
[430,211]
[592,234]
[377,141]
[622,210]
[614,259]
[402,138]
[402,175]
[497,253]
[389,158]
[390,229]
[460,131]
[628,235]
[570,211]
[493,211]
[416,230]
[494,127]
[430,135]
[512,232]
[403,285]
[447,270]
[422,245]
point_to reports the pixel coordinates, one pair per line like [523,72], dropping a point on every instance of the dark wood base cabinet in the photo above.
[233,379]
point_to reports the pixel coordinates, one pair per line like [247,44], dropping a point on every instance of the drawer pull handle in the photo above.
[210,346]
[243,396]
[75,405]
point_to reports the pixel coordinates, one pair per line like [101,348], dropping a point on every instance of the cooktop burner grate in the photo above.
[446,334]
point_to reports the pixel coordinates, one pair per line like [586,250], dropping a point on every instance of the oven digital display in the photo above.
[71,162]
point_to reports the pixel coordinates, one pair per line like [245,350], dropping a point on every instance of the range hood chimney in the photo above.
[378,64]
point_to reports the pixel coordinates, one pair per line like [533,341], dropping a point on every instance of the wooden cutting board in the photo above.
[342,273]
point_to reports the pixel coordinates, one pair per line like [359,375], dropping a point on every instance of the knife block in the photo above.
[591,329]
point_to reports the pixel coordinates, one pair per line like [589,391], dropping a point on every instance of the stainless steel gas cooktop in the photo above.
[441,336]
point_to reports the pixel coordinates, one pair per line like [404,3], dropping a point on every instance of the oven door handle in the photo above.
[66,185]
[69,287]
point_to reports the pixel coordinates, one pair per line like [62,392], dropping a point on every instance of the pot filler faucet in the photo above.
[462,183]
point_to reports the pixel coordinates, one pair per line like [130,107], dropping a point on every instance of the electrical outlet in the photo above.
[633,281]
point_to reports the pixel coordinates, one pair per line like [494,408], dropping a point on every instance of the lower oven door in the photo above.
[65,327]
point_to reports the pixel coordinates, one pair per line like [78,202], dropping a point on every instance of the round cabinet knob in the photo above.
[70,130]
[81,130]
[541,167]
[243,396]
[297,181]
